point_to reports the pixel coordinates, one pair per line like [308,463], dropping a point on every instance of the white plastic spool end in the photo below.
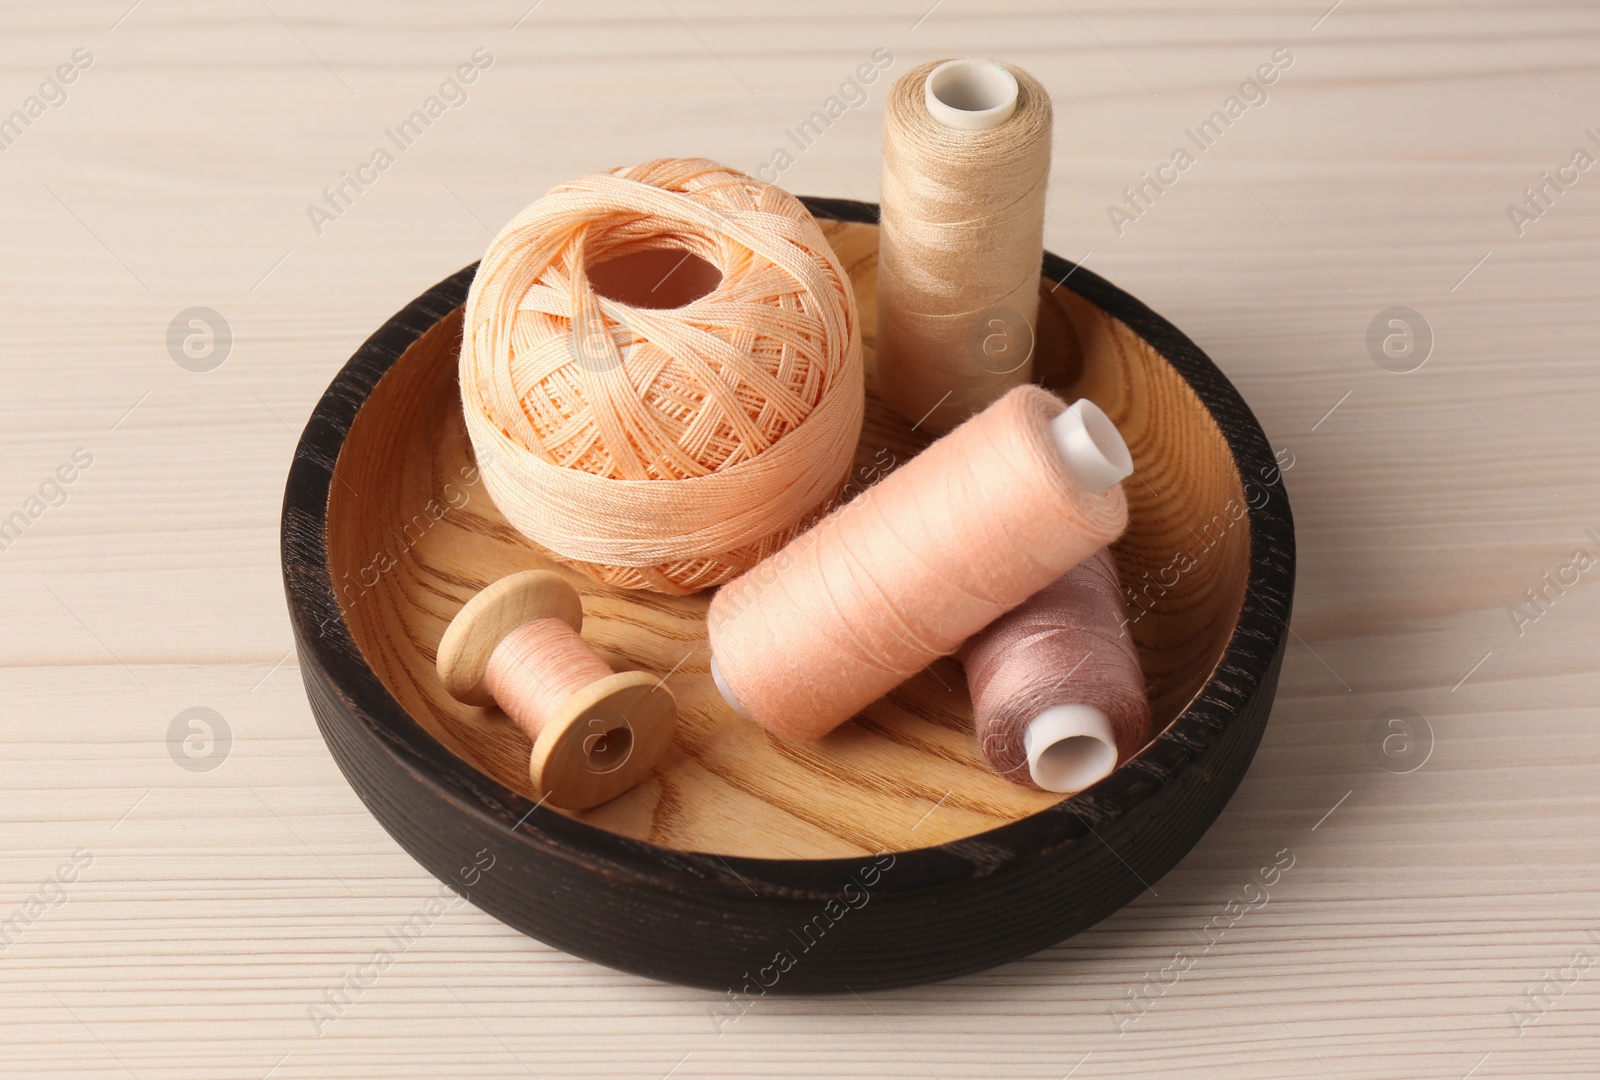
[970,95]
[1070,747]
[1091,446]
[727,691]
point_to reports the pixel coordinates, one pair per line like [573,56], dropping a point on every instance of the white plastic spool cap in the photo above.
[1091,446]
[1070,747]
[970,95]
[727,691]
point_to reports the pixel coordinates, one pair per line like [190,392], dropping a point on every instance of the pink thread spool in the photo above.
[1058,697]
[595,734]
[908,570]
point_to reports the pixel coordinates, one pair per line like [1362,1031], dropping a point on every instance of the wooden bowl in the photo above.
[885,854]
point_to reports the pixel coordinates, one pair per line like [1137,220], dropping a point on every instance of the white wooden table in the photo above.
[209,910]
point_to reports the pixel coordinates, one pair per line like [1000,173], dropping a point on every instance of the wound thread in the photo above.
[1065,645]
[536,667]
[961,243]
[653,447]
[907,571]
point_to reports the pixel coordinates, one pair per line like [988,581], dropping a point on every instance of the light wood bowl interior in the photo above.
[413,535]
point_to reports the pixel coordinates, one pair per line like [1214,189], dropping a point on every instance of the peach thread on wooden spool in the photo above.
[1058,697]
[915,565]
[595,734]
[966,160]
[650,436]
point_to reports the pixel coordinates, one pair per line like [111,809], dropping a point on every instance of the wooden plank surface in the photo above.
[210,913]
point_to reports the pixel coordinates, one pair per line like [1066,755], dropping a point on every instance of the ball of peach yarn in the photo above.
[655,447]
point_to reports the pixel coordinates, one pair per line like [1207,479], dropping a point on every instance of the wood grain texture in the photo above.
[227,902]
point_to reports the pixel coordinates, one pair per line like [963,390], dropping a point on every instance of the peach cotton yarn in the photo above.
[667,449]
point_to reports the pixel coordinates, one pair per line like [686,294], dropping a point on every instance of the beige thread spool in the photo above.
[966,157]
[595,734]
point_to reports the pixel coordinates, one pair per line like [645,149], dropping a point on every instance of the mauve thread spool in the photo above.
[914,566]
[1058,697]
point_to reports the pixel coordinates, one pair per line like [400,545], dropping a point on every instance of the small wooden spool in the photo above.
[603,739]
